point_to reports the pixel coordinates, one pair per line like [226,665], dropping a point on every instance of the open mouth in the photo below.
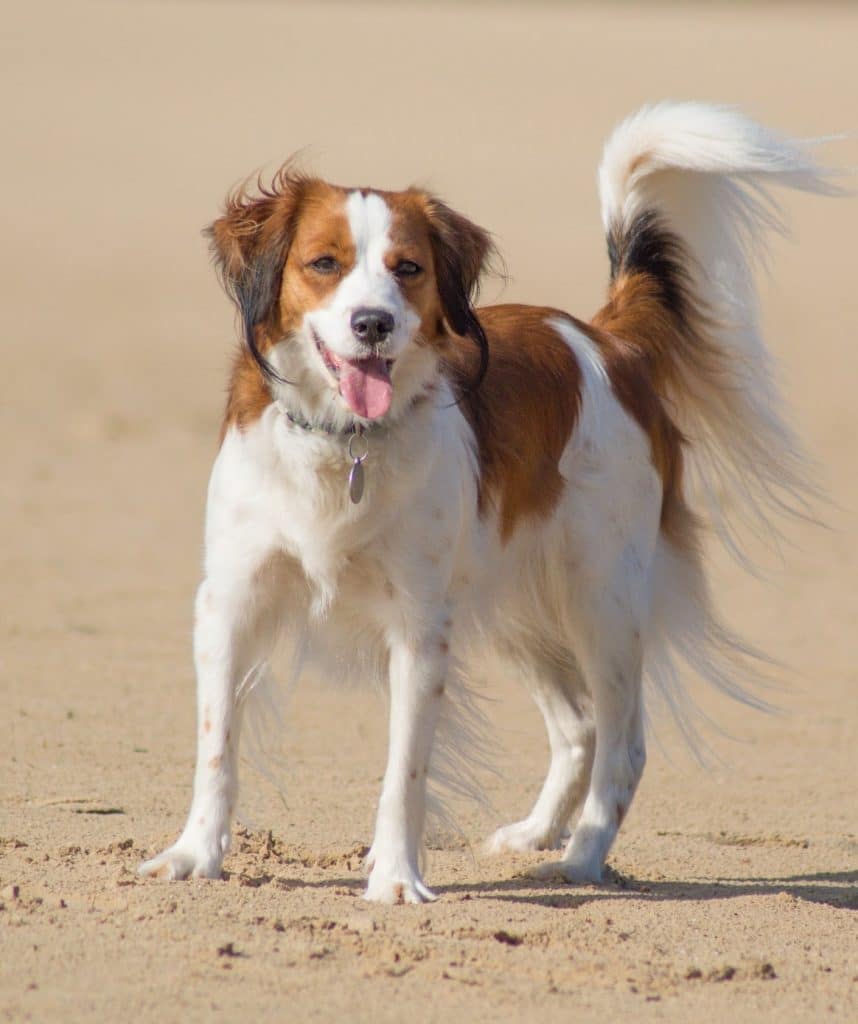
[363,383]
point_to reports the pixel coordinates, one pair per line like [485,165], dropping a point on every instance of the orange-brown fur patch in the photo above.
[410,240]
[635,334]
[321,228]
[248,395]
[312,214]
[524,411]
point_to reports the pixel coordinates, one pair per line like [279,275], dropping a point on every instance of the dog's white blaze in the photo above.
[369,284]
[370,220]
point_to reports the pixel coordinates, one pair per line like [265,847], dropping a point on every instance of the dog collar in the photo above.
[325,428]
[357,446]
[357,443]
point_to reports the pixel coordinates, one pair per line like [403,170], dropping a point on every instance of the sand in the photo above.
[732,890]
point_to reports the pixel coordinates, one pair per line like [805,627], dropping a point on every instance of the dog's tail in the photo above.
[686,206]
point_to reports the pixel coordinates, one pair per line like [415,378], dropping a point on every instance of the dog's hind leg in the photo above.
[559,693]
[611,659]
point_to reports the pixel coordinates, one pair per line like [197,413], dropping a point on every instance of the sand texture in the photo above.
[732,891]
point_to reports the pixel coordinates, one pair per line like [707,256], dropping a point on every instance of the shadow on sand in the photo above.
[834,889]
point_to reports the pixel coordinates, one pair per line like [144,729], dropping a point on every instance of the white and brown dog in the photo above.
[404,480]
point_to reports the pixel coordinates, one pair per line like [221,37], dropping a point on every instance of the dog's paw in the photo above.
[396,885]
[184,860]
[521,837]
[576,872]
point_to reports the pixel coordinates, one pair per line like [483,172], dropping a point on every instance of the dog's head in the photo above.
[348,296]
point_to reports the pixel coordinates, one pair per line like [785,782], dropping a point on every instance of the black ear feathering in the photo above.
[463,252]
[249,244]
[254,292]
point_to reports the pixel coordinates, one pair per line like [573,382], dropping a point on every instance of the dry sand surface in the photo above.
[732,893]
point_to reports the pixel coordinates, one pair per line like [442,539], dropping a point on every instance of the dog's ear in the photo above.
[250,243]
[462,252]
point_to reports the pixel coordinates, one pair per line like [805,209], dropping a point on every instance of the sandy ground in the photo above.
[733,891]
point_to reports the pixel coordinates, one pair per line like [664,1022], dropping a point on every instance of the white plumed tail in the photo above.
[686,206]
[701,175]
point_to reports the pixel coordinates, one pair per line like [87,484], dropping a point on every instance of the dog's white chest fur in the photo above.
[278,489]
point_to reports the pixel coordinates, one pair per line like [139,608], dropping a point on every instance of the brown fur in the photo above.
[636,335]
[666,338]
[523,413]
[248,395]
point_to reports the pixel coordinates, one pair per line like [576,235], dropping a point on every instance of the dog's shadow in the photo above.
[834,889]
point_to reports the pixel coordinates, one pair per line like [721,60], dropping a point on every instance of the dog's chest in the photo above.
[341,548]
[289,495]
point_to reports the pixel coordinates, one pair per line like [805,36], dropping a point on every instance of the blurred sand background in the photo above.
[123,125]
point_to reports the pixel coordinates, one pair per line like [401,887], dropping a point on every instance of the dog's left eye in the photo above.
[407,268]
[325,265]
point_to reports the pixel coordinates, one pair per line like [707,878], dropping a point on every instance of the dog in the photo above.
[405,481]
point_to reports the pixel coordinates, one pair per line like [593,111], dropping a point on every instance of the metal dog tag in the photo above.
[356,476]
[358,450]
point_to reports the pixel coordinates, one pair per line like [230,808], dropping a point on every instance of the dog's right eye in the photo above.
[325,265]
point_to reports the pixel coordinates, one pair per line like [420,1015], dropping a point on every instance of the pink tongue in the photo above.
[365,385]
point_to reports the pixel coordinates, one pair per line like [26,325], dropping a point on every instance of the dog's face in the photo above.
[348,295]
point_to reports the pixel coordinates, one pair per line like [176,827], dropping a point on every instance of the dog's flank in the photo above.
[550,516]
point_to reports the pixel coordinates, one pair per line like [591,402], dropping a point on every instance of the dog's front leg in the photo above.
[418,672]
[232,639]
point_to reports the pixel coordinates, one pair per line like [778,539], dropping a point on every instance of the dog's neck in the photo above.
[354,440]
[321,427]
[345,431]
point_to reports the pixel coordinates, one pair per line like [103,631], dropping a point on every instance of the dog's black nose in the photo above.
[371,326]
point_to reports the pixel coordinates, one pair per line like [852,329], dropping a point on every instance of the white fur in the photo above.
[708,171]
[413,583]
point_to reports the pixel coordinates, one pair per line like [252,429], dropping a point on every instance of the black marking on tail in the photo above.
[648,247]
